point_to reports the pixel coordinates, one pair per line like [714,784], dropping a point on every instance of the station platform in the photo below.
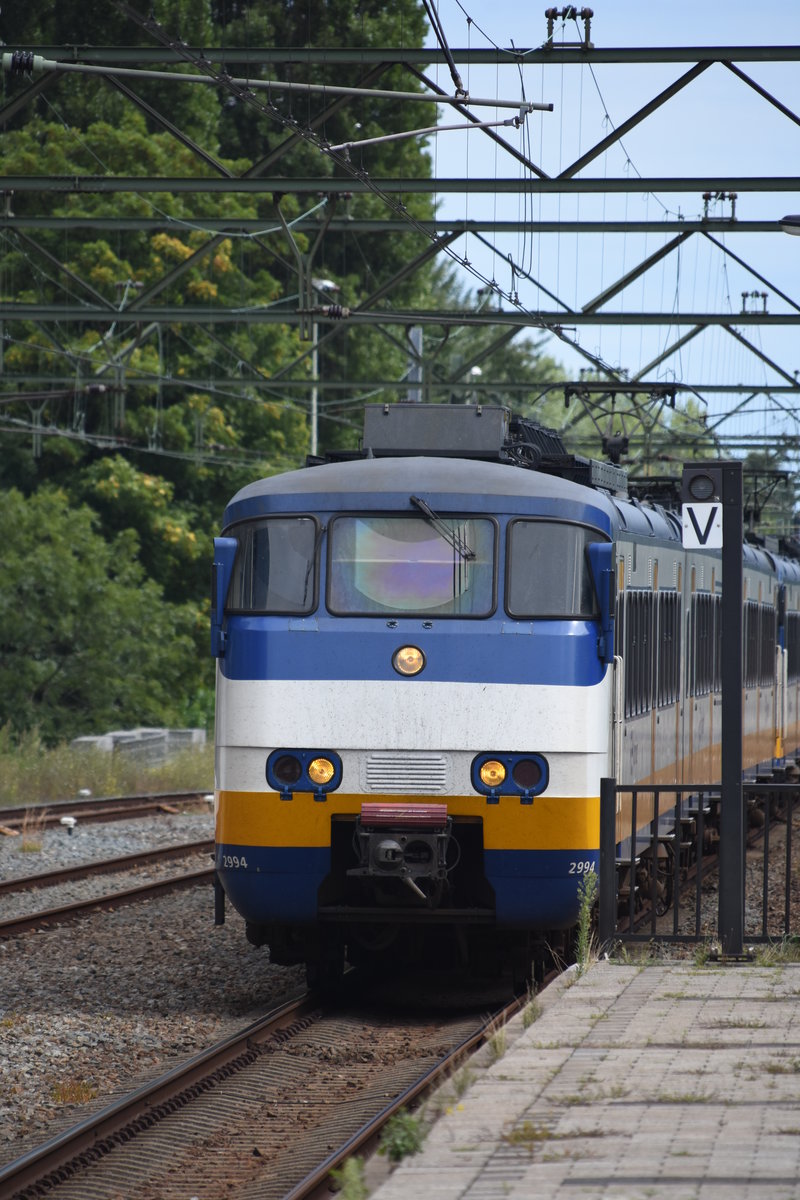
[672,1081]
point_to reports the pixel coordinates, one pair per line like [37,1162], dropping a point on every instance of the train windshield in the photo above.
[548,574]
[275,567]
[404,565]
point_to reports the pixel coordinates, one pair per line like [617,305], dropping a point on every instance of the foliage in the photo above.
[86,640]
[34,773]
[587,895]
[122,441]
[403,1134]
[349,1180]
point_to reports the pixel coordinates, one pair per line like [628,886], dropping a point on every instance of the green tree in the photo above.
[86,640]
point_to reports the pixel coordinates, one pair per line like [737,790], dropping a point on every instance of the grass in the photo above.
[33,825]
[72,1091]
[529,1135]
[403,1134]
[349,1180]
[585,943]
[497,1041]
[32,773]
[531,1012]
[775,954]
[782,1068]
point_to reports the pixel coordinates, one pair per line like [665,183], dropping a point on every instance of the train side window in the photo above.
[793,646]
[668,658]
[276,566]
[638,652]
[548,573]
[705,645]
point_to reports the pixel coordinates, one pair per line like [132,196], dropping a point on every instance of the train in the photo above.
[429,653]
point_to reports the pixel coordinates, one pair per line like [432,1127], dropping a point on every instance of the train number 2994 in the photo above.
[234,860]
[581,867]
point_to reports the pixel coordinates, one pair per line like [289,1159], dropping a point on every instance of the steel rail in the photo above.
[316,1185]
[65,912]
[105,866]
[102,808]
[96,1135]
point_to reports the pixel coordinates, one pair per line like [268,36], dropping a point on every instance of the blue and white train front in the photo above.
[413,701]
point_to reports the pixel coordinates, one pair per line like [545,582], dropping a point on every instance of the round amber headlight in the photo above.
[408,660]
[492,773]
[320,770]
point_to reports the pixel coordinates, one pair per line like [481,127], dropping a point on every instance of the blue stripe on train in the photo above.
[491,651]
[533,888]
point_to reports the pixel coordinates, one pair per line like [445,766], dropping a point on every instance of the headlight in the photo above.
[291,771]
[408,660]
[320,770]
[492,773]
[501,773]
[527,774]
[287,768]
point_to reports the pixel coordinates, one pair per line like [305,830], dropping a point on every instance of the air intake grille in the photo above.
[412,773]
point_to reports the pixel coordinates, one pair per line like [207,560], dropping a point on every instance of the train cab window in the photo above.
[548,573]
[404,565]
[275,569]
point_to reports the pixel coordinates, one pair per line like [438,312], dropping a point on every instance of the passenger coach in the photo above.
[420,686]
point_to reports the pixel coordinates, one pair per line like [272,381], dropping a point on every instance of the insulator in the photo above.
[21,62]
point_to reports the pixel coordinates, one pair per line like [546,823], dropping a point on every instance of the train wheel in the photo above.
[325,971]
[522,967]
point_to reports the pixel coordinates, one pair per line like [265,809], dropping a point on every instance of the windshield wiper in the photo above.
[450,535]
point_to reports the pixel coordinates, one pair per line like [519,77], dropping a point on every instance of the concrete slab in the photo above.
[670,1081]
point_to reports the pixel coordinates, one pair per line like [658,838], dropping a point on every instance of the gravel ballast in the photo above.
[90,1009]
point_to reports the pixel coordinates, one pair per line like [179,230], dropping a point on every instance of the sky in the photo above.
[716,126]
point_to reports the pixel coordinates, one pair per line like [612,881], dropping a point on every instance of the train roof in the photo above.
[500,462]
[388,483]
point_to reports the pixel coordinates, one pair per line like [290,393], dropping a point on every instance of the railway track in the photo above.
[105,866]
[266,1113]
[102,808]
[56,914]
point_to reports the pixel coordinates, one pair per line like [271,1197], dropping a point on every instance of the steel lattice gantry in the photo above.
[144,311]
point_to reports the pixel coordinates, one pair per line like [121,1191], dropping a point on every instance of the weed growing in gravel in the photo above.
[403,1134]
[531,1012]
[72,1091]
[497,1041]
[775,954]
[585,945]
[349,1180]
[530,1135]
[33,825]
[736,1023]
[792,1067]
[461,1081]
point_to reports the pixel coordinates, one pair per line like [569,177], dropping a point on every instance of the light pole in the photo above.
[322,286]
[791,225]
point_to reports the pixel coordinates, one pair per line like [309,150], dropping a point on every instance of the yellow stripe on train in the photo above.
[550,823]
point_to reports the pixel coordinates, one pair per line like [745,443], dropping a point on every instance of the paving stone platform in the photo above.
[670,1081]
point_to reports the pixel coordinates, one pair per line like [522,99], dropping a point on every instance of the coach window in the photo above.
[669,634]
[275,569]
[548,573]
[792,646]
[404,566]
